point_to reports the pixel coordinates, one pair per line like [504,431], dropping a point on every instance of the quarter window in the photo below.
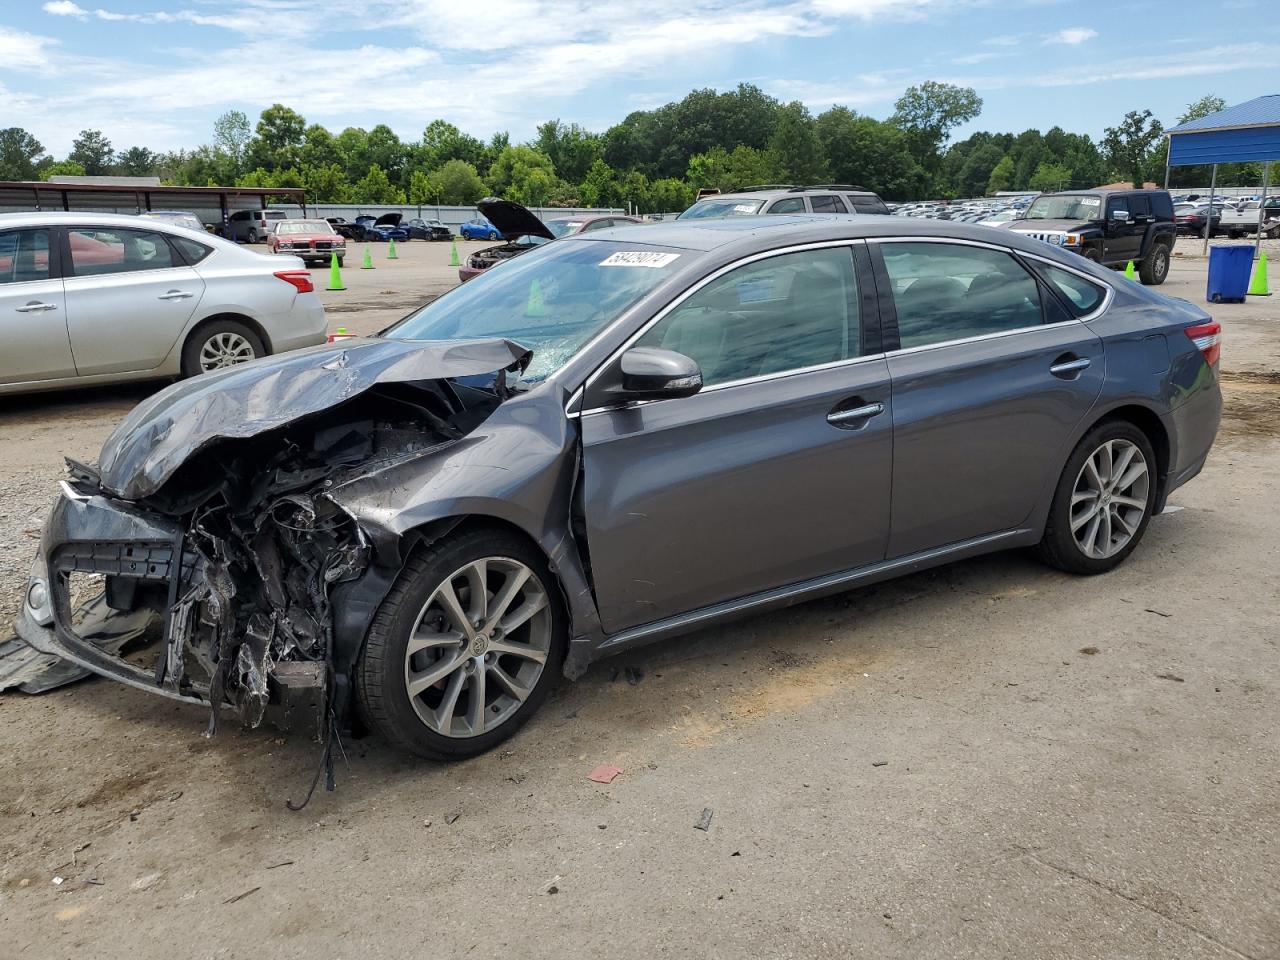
[24,256]
[945,292]
[788,312]
[828,204]
[97,251]
[1084,295]
[867,204]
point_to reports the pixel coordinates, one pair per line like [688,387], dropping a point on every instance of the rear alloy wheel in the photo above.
[465,647]
[1155,267]
[224,343]
[493,235]
[253,235]
[1103,501]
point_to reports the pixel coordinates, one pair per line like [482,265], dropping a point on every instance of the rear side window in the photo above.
[867,204]
[1139,205]
[789,205]
[99,251]
[1162,206]
[946,292]
[273,215]
[828,204]
[1083,295]
[24,256]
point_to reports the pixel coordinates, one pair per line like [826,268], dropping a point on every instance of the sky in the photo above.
[156,73]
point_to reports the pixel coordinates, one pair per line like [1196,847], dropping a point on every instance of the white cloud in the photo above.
[65,8]
[972,58]
[21,51]
[1072,35]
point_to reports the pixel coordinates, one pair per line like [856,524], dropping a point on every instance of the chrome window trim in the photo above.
[1109,292]
[689,292]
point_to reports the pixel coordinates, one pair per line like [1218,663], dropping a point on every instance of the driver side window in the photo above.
[772,316]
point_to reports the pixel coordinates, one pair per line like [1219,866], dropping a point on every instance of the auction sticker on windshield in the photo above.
[1090,202]
[638,258]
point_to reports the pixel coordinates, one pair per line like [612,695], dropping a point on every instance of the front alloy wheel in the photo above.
[465,647]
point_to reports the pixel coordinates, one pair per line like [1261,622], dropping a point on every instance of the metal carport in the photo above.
[1248,131]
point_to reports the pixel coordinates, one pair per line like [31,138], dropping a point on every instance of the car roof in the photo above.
[766,193]
[745,234]
[53,217]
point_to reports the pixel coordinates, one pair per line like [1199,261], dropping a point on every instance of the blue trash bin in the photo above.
[1229,269]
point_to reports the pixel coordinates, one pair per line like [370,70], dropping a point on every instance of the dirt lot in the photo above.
[987,760]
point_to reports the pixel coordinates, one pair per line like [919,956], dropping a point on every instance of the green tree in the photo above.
[442,142]
[326,184]
[1050,178]
[63,168]
[571,148]
[869,153]
[137,162]
[384,149]
[278,139]
[928,113]
[457,183]
[1130,142]
[524,175]
[669,195]
[1001,176]
[231,135]
[92,150]
[376,187]
[795,152]
[20,154]
[1202,108]
[319,148]
[599,186]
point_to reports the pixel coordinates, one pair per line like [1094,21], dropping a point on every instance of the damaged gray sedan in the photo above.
[612,439]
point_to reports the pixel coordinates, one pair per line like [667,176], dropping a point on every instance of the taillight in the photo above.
[1208,340]
[299,278]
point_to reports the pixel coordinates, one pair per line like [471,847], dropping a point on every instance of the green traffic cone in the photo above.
[391,249]
[1258,286]
[368,259]
[453,256]
[535,306]
[335,277]
[1128,271]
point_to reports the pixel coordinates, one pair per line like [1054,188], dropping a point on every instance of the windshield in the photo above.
[1065,207]
[551,300]
[304,226]
[563,228]
[721,207]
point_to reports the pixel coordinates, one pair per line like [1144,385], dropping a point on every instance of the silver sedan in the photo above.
[102,298]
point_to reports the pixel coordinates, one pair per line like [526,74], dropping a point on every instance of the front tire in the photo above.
[1103,501]
[223,343]
[1155,266]
[465,647]
[493,235]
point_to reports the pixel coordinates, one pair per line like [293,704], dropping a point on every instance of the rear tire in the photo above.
[220,344]
[252,236]
[1155,266]
[452,668]
[493,235]
[1102,504]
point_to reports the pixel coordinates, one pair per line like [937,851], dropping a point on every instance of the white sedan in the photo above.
[102,298]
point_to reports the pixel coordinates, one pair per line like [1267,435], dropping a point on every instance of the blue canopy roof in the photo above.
[1246,131]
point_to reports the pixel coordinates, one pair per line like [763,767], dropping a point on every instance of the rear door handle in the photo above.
[1067,369]
[35,306]
[845,418]
[175,295]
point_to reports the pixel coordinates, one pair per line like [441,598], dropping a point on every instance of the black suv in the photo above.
[1111,227]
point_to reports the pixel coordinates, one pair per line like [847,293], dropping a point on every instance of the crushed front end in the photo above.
[199,561]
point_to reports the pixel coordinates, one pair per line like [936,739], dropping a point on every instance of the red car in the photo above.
[315,241]
[523,231]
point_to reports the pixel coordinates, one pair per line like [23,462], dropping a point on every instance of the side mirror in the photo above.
[1122,216]
[650,373]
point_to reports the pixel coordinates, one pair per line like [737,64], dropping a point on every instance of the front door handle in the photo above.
[35,306]
[845,418]
[175,295]
[1070,369]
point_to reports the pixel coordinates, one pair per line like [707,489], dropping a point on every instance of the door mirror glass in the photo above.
[1120,215]
[651,373]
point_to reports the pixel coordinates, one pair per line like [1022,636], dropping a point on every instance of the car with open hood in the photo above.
[315,242]
[522,230]
[617,437]
[385,227]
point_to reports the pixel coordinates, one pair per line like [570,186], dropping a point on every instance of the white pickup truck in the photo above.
[1236,223]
